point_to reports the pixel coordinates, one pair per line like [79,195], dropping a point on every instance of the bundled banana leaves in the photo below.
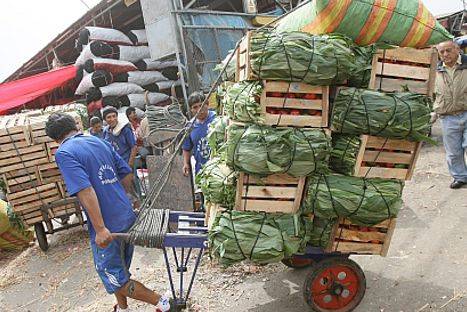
[263,150]
[344,153]
[363,59]
[318,231]
[241,102]
[229,63]
[365,202]
[391,115]
[259,237]
[167,117]
[301,57]
[216,135]
[218,183]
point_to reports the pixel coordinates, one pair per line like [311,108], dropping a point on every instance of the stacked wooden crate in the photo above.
[393,70]
[283,104]
[34,185]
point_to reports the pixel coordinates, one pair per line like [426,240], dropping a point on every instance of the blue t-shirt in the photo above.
[99,134]
[86,161]
[122,143]
[198,141]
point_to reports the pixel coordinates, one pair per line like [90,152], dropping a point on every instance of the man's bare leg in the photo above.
[121,300]
[138,291]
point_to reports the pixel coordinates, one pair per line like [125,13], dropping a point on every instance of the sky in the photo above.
[27,26]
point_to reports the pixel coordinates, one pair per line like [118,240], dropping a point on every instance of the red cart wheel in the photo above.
[335,284]
[297,262]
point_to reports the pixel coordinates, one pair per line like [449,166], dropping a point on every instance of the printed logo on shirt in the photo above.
[107,175]
[203,148]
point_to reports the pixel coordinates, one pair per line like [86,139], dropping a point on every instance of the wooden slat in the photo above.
[12,146]
[390,144]
[272,179]
[292,103]
[23,158]
[362,248]
[292,87]
[395,85]
[269,192]
[12,138]
[36,204]
[385,173]
[31,191]
[360,236]
[33,197]
[23,165]
[21,151]
[422,56]
[290,120]
[387,242]
[403,71]
[387,157]
[267,205]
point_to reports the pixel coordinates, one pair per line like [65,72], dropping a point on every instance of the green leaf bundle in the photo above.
[344,153]
[216,135]
[242,101]
[264,150]
[391,115]
[301,57]
[363,60]
[318,231]
[365,202]
[218,183]
[259,237]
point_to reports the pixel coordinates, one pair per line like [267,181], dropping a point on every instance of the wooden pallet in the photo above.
[34,198]
[295,104]
[351,238]
[21,179]
[386,158]
[394,68]
[275,193]
[14,132]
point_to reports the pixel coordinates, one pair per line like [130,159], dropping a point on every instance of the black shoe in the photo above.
[457,184]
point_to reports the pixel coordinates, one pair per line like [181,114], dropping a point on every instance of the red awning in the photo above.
[19,92]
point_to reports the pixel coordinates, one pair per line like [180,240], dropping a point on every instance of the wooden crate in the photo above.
[55,209]
[294,104]
[51,148]
[23,157]
[394,68]
[212,210]
[21,179]
[37,127]
[34,198]
[386,158]
[351,238]
[243,68]
[14,133]
[49,173]
[275,193]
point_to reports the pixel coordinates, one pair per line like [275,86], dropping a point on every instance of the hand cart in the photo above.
[190,237]
[334,284]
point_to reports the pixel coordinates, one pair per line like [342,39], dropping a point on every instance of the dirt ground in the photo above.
[425,270]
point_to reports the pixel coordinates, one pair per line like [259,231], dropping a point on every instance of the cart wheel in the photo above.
[335,284]
[297,262]
[41,236]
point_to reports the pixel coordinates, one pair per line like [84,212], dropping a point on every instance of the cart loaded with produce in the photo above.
[317,136]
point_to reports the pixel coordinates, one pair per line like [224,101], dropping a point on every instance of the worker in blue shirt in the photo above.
[196,143]
[99,177]
[120,135]
[96,127]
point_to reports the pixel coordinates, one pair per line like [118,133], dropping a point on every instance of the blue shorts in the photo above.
[113,264]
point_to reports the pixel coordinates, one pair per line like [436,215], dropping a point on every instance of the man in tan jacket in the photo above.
[451,107]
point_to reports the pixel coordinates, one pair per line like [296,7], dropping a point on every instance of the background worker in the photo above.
[121,137]
[451,107]
[96,127]
[196,143]
[98,176]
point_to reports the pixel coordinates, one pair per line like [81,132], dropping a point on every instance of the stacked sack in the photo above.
[115,69]
[353,191]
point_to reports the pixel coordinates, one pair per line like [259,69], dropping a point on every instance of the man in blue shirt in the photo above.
[196,143]
[98,176]
[120,135]
[96,127]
